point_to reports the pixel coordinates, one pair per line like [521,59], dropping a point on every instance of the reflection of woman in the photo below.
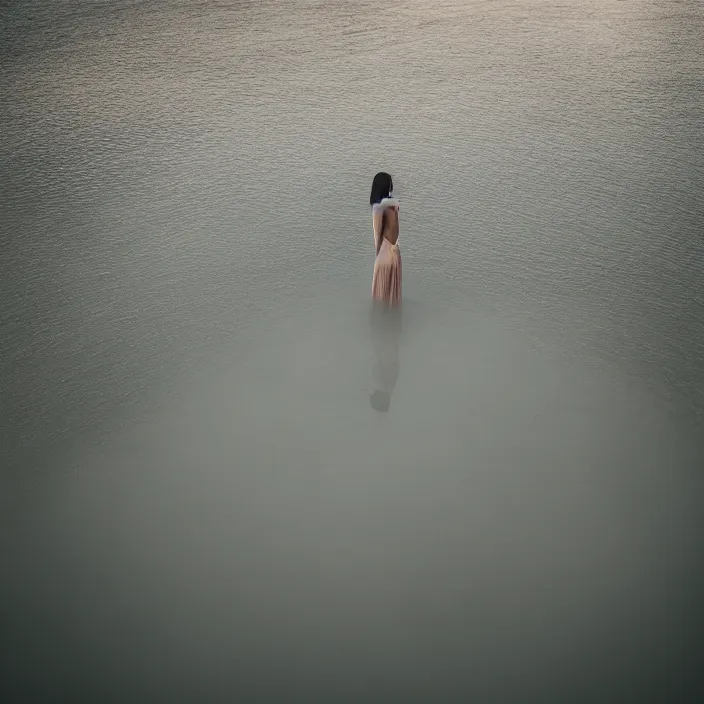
[386,333]
[386,282]
[386,290]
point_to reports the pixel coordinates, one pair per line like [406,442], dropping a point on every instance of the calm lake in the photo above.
[199,502]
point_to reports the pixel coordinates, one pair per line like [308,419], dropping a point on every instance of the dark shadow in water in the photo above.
[386,337]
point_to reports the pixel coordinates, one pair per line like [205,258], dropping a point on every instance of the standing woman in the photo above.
[386,282]
[386,290]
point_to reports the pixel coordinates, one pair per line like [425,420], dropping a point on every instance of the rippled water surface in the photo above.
[199,502]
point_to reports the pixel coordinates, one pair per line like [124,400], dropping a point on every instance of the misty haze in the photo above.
[199,503]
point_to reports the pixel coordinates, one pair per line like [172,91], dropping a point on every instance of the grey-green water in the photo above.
[199,503]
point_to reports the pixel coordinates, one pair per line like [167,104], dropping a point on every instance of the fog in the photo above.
[221,480]
[508,529]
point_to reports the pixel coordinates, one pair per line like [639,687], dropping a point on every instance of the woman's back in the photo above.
[385,222]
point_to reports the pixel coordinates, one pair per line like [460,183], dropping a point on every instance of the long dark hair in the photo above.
[382,185]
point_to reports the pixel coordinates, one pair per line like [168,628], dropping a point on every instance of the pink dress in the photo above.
[386,281]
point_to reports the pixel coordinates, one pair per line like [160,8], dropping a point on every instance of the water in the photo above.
[199,502]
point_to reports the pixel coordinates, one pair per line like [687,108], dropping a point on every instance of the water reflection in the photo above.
[386,337]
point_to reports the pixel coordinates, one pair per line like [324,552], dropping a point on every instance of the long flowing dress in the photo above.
[386,281]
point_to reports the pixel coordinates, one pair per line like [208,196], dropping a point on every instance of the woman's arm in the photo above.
[379,224]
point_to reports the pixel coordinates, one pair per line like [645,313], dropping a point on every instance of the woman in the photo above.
[386,290]
[386,281]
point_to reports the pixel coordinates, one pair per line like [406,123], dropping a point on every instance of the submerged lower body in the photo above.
[386,322]
[386,281]
[386,336]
